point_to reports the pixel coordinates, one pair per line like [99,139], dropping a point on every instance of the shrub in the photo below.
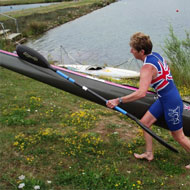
[36,28]
[178,54]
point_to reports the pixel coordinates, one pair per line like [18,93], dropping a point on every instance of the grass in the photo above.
[51,8]
[50,139]
[54,140]
[18,2]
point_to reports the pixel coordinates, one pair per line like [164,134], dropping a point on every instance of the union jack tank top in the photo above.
[164,80]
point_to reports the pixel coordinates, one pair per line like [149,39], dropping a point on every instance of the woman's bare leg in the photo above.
[182,140]
[148,119]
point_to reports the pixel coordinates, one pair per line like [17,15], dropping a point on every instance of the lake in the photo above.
[102,37]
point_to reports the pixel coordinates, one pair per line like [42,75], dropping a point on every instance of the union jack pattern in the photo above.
[164,75]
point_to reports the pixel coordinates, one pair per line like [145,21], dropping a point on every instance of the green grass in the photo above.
[17,2]
[59,7]
[60,141]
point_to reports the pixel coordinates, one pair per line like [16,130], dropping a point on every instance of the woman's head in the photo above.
[140,41]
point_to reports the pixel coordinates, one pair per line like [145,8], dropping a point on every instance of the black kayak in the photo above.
[104,88]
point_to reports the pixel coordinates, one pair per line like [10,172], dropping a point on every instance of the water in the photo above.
[102,37]
[4,9]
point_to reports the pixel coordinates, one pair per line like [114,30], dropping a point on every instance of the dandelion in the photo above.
[21,177]
[36,187]
[21,185]
[139,182]
[15,143]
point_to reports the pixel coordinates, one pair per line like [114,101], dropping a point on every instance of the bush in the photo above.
[36,28]
[7,45]
[178,54]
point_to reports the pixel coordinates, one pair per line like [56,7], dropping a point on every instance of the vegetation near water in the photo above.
[34,22]
[19,2]
[178,54]
[50,139]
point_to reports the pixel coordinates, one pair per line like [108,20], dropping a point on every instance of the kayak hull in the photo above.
[116,73]
[104,88]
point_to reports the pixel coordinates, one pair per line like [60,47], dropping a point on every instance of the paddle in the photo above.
[34,57]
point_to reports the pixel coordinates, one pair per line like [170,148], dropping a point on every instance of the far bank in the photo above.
[34,22]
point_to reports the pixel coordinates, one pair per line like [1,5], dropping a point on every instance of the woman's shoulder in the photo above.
[154,57]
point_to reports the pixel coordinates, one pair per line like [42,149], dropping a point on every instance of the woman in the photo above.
[156,73]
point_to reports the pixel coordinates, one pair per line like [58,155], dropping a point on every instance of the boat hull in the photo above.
[112,72]
[104,88]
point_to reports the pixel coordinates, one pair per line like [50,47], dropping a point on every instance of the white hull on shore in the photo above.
[103,71]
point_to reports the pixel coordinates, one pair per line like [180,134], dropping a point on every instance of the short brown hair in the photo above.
[140,41]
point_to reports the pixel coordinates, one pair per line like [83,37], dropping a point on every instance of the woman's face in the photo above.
[137,54]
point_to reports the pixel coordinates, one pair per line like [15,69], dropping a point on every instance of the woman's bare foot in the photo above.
[187,167]
[147,155]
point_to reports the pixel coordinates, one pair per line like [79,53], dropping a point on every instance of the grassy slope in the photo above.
[47,134]
[18,2]
[51,8]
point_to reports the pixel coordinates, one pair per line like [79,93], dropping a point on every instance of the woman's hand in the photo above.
[112,103]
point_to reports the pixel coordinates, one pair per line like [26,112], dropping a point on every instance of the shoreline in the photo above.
[21,2]
[35,22]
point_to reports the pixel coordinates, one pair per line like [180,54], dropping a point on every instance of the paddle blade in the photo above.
[32,56]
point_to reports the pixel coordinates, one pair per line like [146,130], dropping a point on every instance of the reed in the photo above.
[178,54]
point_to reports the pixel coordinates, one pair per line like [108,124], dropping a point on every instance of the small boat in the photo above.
[102,87]
[103,71]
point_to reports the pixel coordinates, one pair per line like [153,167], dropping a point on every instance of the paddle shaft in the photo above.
[150,132]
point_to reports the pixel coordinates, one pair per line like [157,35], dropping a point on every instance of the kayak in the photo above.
[104,88]
[99,71]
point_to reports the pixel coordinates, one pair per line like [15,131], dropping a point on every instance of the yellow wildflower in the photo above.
[15,143]
[139,182]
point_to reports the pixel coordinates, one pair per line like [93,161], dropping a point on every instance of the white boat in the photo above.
[99,71]
[102,71]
